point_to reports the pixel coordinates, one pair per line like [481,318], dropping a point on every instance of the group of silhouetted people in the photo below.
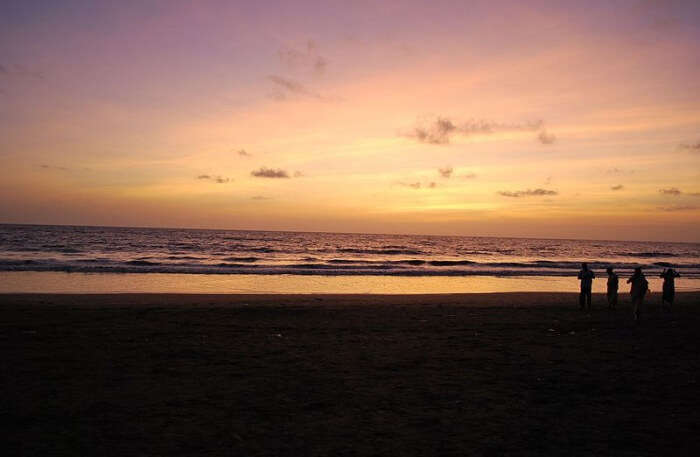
[639,288]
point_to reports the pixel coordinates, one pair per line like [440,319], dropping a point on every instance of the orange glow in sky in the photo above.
[532,119]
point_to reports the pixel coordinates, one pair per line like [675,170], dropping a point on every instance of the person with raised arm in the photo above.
[669,287]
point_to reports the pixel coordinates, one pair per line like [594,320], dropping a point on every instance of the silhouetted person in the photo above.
[669,288]
[639,288]
[613,285]
[586,276]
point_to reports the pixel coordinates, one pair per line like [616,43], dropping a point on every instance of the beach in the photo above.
[441,374]
[349,229]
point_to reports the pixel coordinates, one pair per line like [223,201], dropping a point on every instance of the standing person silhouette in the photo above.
[613,284]
[586,276]
[669,288]
[639,288]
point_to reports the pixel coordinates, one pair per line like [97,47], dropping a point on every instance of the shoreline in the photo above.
[58,282]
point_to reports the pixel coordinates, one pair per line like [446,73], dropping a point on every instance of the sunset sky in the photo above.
[495,118]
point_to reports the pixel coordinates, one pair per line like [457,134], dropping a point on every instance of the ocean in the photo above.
[250,256]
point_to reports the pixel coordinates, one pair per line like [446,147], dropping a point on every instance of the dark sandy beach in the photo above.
[478,374]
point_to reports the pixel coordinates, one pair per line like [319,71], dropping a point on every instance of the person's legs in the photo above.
[588,299]
[664,294]
[581,299]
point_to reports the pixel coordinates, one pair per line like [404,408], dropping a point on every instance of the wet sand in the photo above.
[475,374]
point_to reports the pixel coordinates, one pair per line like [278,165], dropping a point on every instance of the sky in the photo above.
[560,119]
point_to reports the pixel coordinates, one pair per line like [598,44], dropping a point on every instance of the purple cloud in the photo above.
[217,179]
[442,129]
[528,193]
[264,172]
[670,191]
[446,172]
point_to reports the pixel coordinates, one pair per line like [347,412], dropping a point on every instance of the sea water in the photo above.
[35,258]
